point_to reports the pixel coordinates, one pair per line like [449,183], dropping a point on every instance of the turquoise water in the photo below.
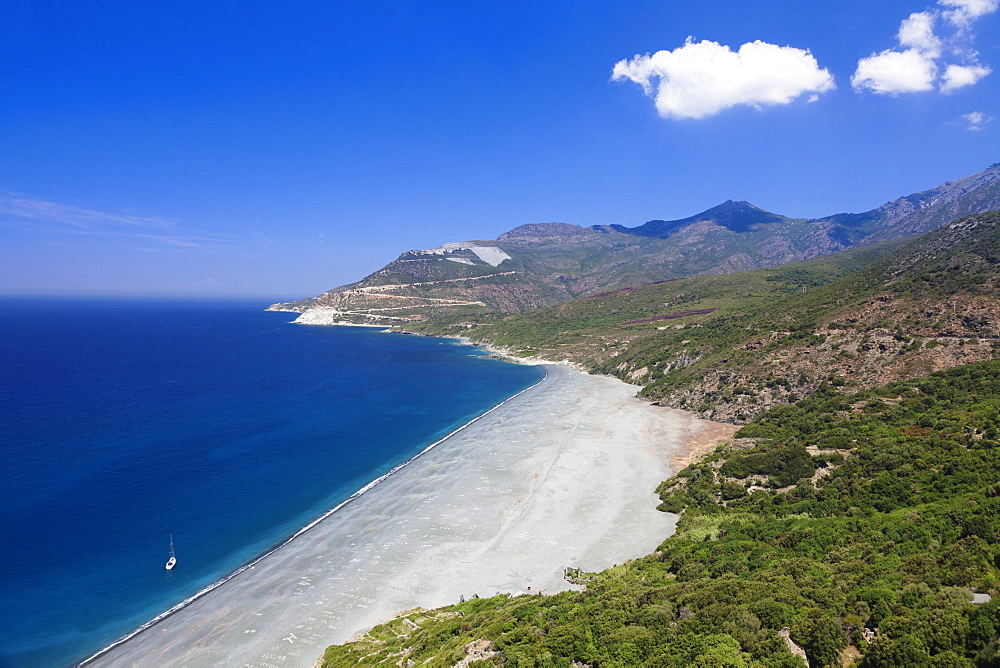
[125,422]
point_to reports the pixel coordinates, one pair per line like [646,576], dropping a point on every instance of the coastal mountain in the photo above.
[539,265]
[931,305]
[732,346]
[924,211]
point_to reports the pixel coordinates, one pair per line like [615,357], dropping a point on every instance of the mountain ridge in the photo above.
[735,216]
[731,346]
[543,264]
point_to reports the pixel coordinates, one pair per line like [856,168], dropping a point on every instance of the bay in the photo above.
[124,422]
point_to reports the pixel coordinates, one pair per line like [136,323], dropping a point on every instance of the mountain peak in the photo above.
[734,216]
[544,230]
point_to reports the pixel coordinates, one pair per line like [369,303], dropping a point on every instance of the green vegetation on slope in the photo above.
[860,523]
[569,328]
[730,346]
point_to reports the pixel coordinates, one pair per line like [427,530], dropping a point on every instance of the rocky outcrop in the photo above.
[855,359]
[331,316]
[479,650]
[786,634]
[541,230]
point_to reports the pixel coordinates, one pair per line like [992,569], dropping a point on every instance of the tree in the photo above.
[821,636]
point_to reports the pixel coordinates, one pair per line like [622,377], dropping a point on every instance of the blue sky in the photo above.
[281,149]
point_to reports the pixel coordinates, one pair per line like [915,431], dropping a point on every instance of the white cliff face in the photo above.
[324,315]
[318,316]
[491,255]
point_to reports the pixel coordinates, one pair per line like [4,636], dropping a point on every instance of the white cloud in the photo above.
[919,63]
[701,79]
[20,206]
[40,216]
[917,31]
[894,72]
[964,12]
[960,76]
[976,120]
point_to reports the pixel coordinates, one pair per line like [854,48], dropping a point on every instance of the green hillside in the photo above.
[590,330]
[731,346]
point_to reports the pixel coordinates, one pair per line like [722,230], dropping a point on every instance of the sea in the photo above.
[125,423]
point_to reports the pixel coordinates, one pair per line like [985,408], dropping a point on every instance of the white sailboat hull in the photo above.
[172,561]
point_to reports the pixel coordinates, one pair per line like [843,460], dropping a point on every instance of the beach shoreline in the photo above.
[311,525]
[561,474]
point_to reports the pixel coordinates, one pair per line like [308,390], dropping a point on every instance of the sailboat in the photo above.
[172,561]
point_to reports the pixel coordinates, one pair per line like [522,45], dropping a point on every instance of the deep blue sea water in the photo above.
[123,422]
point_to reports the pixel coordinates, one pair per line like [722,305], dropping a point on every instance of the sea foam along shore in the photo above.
[560,475]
